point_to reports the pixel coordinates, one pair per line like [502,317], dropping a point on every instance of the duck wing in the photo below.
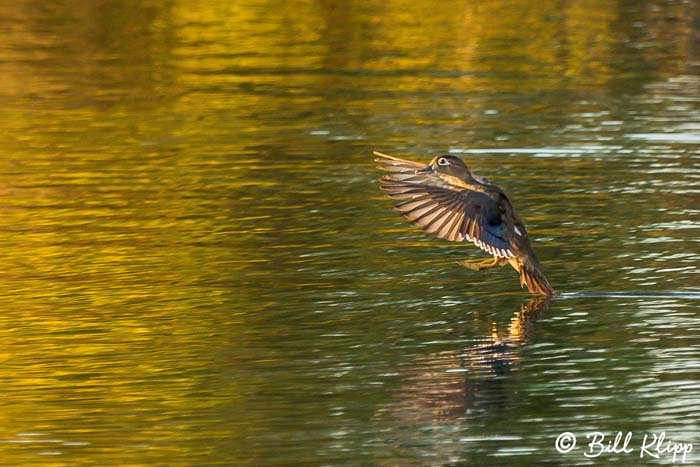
[452,212]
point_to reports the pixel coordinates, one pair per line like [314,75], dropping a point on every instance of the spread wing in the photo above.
[450,212]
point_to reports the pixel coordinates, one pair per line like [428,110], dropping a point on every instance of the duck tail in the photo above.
[532,276]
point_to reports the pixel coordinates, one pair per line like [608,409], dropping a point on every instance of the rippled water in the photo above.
[200,269]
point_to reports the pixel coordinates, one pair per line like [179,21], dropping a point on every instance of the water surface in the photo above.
[199,267]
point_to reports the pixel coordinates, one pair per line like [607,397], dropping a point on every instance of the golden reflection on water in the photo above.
[441,388]
[188,202]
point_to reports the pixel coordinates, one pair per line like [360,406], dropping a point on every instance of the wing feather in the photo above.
[450,212]
[419,213]
[427,217]
[455,235]
[444,230]
[408,207]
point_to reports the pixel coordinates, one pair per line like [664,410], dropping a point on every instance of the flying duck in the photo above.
[448,200]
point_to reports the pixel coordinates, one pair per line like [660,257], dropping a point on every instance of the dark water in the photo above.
[199,268]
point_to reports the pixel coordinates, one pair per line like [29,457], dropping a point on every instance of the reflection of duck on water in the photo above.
[446,386]
[446,199]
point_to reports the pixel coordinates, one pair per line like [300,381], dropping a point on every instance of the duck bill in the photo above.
[425,170]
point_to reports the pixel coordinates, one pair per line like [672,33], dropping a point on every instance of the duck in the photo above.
[446,199]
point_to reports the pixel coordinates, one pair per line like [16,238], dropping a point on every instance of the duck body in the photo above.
[446,199]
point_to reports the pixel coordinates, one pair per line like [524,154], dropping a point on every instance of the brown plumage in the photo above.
[447,200]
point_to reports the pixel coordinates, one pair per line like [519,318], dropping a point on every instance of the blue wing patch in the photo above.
[495,236]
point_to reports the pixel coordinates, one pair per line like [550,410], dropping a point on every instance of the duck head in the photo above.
[447,165]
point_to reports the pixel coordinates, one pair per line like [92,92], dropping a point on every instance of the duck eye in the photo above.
[442,161]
